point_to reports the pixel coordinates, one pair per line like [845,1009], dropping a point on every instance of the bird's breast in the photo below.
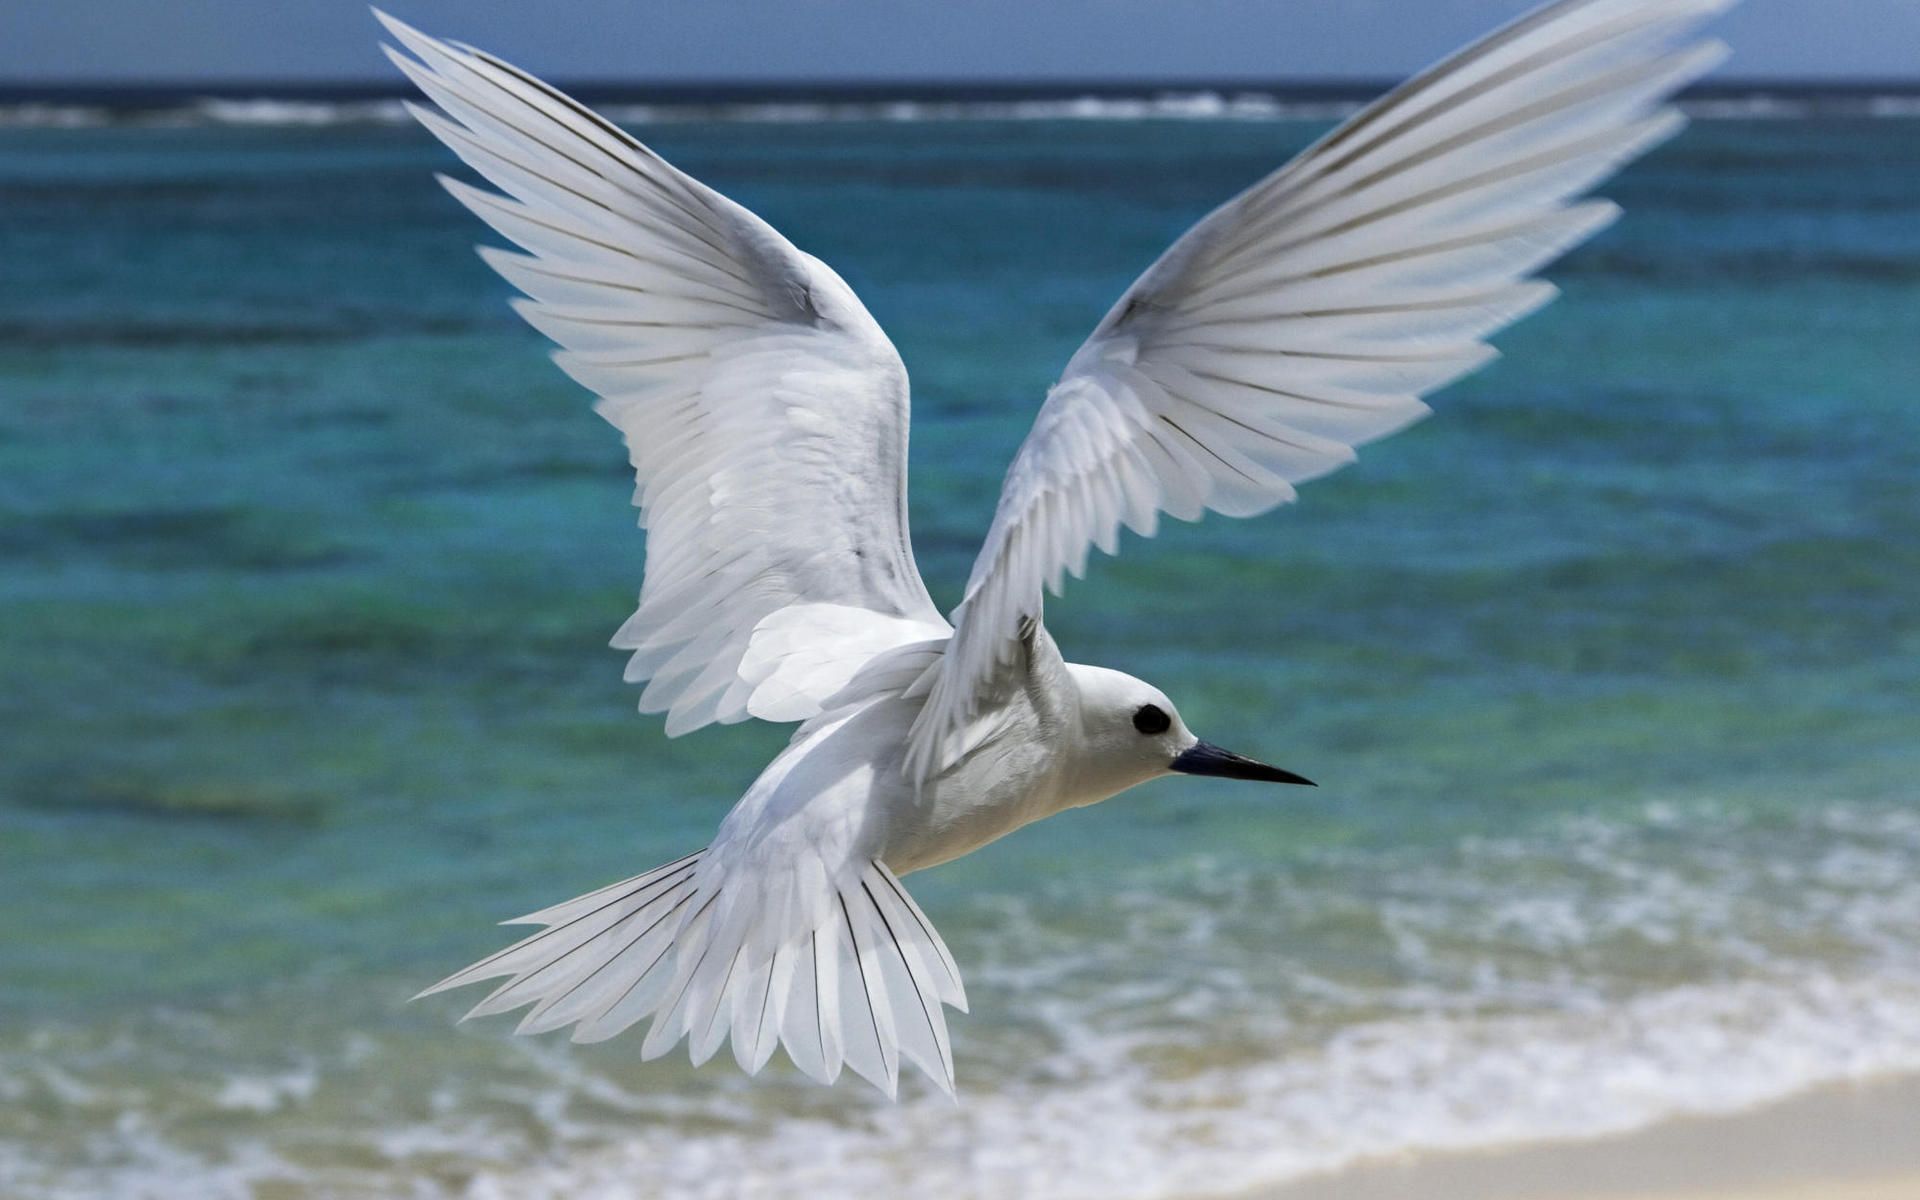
[985,796]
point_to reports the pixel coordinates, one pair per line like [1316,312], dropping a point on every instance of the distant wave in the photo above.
[1203,104]
[270,111]
[204,111]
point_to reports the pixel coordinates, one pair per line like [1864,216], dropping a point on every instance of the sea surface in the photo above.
[1610,673]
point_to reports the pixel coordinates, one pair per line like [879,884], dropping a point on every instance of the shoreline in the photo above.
[1849,1141]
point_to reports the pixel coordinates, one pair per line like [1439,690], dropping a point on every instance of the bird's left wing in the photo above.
[764,411]
[1310,313]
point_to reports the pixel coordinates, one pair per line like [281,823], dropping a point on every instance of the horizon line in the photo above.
[373,85]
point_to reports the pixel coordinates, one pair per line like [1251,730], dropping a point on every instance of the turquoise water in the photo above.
[1610,673]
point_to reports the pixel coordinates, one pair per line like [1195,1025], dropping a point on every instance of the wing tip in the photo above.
[473,198]
[445,985]
[407,34]
[413,108]
[1581,221]
[1712,50]
[407,65]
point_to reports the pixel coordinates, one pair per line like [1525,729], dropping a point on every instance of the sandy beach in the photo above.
[1851,1142]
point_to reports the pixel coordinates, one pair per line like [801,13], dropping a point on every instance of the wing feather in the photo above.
[1312,312]
[765,414]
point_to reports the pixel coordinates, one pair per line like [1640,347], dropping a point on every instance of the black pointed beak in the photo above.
[1203,758]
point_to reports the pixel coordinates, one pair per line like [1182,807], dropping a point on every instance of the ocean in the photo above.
[1609,673]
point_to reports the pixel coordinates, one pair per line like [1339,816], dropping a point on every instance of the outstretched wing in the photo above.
[764,411]
[1310,313]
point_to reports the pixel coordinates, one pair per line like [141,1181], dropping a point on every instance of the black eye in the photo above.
[1149,719]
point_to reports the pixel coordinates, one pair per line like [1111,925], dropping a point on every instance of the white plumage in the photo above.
[766,416]
[765,412]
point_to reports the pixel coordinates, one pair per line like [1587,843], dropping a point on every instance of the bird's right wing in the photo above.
[1310,313]
[764,411]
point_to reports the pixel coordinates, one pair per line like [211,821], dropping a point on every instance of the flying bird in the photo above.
[765,415]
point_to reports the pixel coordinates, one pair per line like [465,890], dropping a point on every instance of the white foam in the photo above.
[1113,1129]
[39,115]
[1108,1114]
[309,113]
[1894,106]
[1748,108]
[1516,1008]
[267,1093]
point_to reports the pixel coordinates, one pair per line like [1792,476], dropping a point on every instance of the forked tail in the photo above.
[853,973]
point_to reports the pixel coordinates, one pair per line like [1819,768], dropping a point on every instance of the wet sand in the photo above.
[1854,1142]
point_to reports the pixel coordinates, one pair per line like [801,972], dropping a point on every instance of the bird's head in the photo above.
[1130,732]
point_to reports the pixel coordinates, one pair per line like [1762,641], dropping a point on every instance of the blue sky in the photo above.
[639,40]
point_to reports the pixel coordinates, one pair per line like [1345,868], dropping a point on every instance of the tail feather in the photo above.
[858,979]
[561,913]
[631,967]
[866,1014]
[641,981]
[755,1020]
[923,1041]
[811,1006]
[912,929]
[572,924]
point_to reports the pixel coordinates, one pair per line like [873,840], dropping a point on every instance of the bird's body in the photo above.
[766,417]
[1030,755]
